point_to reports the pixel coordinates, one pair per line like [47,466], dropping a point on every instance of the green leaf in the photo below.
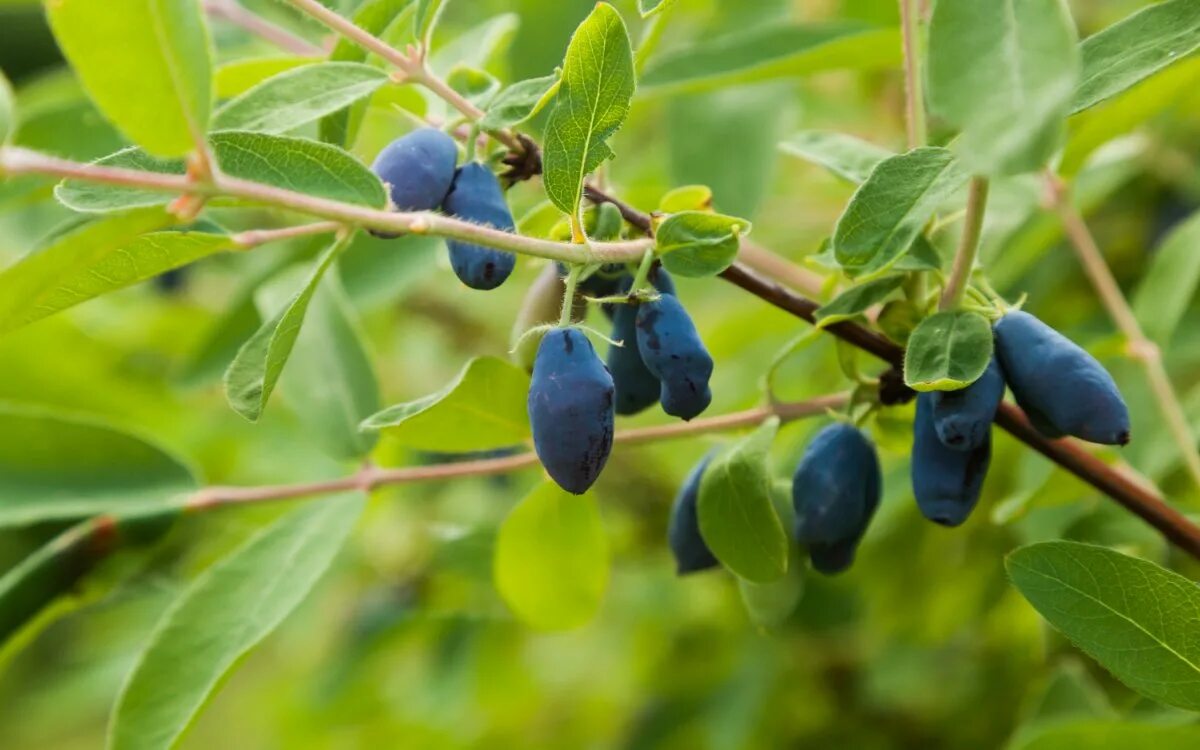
[295,164]
[591,104]
[1108,735]
[855,300]
[773,51]
[146,63]
[1166,291]
[699,243]
[1004,72]
[330,383]
[888,212]
[650,8]
[8,114]
[56,467]
[551,560]
[483,408]
[844,155]
[299,96]
[1136,48]
[56,276]
[686,198]
[518,102]
[225,612]
[374,17]
[737,518]
[239,76]
[476,85]
[1134,617]
[425,19]
[255,370]
[770,604]
[948,351]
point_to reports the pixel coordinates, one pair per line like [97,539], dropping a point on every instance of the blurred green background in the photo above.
[405,644]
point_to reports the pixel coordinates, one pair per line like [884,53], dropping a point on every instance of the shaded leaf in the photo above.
[591,104]
[425,18]
[225,612]
[1134,617]
[699,243]
[948,351]
[518,102]
[855,300]
[146,63]
[551,561]
[1169,285]
[843,155]
[737,518]
[1134,48]
[299,96]
[483,408]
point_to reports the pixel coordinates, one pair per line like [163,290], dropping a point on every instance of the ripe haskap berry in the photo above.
[417,169]
[637,387]
[672,350]
[963,419]
[476,196]
[1062,388]
[946,481]
[835,491]
[683,533]
[571,409]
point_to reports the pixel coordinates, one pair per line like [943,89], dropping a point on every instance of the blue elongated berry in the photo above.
[835,491]
[945,481]
[1062,388]
[637,387]
[477,197]
[963,418]
[571,409]
[683,532]
[672,350]
[418,169]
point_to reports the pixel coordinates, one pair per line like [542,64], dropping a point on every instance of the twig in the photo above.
[256,237]
[914,96]
[1140,347]
[968,245]
[370,477]
[236,14]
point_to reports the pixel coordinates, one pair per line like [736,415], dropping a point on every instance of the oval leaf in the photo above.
[520,101]
[591,104]
[1004,72]
[699,243]
[888,211]
[1134,617]
[773,51]
[855,300]
[57,467]
[551,560]
[228,610]
[146,63]
[843,155]
[1169,286]
[1136,48]
[737,518]
[483,408]
[299,96]
[948,351]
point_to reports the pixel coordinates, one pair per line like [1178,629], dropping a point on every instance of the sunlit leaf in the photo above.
[699,243]
[948,351]
[299,96]
[8,115]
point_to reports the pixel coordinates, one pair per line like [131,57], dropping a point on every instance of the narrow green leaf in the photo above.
[857,299]
[737,518]
[146,63]
[425,19]
[299,96]
[844,155]
[1136,48]
[773,51]
[520,101]
[252,375]
[591,104]
[888,212]
[1107,735]
[296,164]
[55,467]
[47,280]
[1166,291]
[948,351]
[1004,71]
[8,114]
[482,408]
[227,611]
[1134,617]
[551,561]
[699,243]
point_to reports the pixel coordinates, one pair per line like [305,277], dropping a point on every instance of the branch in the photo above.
[1141,348]
[233,12]
[968,245]
[370,477]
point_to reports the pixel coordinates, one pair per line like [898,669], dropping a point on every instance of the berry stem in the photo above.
[643,272]
[568,304]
